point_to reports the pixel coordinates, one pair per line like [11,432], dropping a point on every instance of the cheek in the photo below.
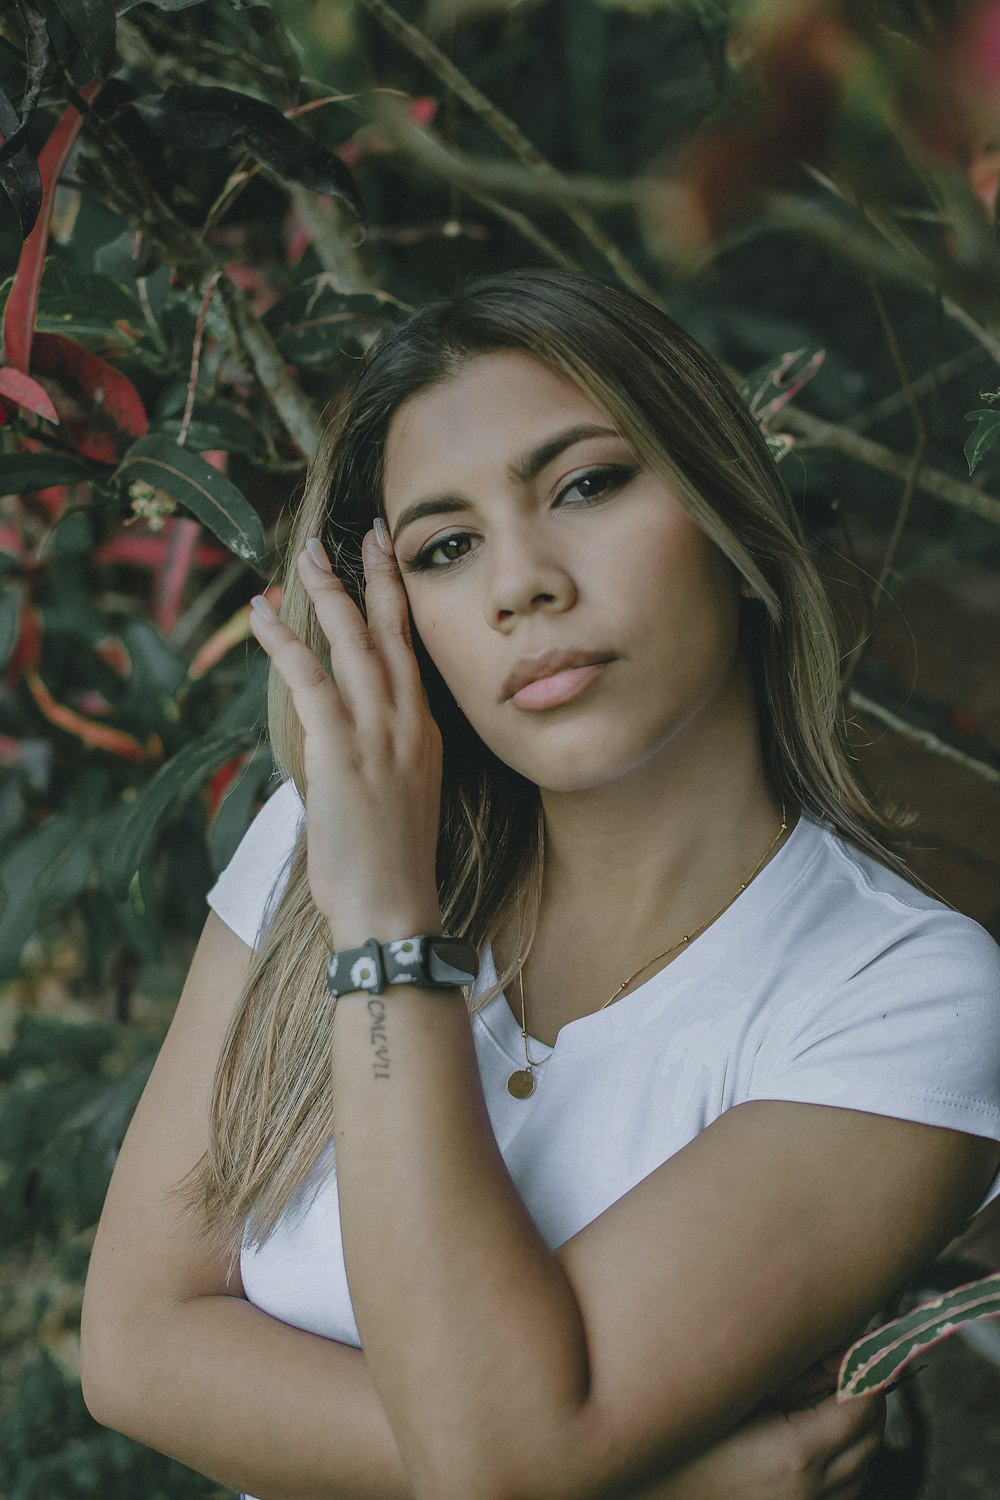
[444,651]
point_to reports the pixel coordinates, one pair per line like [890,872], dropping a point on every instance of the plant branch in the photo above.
[919,267]
[932,379]
[817,433]
[867,636]
[526,228]
[438,63]
[923,737]
[118,178]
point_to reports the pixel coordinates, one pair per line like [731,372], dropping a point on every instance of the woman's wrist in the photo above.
[349,929]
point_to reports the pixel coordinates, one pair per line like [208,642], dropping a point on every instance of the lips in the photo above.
[547,664]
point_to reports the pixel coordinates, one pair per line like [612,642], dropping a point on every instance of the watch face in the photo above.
[452,960]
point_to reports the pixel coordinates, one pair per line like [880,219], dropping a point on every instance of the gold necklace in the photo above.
[521,1083]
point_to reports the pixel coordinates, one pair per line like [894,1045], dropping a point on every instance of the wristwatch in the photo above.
[432,959]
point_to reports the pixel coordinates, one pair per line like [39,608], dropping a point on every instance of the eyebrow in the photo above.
[522,471]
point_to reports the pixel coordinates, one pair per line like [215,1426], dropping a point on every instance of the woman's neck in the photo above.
[656,851]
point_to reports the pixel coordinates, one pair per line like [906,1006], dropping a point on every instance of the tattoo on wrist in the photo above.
[379,1037]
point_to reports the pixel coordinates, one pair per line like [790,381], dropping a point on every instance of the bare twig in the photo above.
[505,129]
[288,399]
[917,264]
[526,228]
[813,432]
[196,347]
[863,645]
[932,379]
[923,737]
[118,179]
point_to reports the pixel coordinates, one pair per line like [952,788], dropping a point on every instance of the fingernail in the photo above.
[263,608]
[382,536]
[315,549]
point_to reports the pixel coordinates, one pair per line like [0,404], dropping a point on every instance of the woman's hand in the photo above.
[372,752]
[822,1452]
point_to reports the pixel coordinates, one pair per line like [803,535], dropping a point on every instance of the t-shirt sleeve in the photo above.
[250,887]
[913,1033]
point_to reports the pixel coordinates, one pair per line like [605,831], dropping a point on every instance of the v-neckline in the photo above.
[595,1028]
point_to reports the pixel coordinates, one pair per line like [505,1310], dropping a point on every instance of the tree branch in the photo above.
[438,63]
[923,737]
[118,178]
[839,439]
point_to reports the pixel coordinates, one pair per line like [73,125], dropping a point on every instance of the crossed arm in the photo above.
[174,1356]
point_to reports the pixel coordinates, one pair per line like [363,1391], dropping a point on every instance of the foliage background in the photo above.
[786,176]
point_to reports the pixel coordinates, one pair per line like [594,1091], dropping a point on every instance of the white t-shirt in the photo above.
[830,980]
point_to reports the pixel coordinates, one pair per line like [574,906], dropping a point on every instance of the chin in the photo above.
[587,758]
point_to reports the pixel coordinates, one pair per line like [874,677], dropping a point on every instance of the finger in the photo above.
[831,1427]
[355,662]
[850,1462]
[388,612]
[850,1469]
[315,696]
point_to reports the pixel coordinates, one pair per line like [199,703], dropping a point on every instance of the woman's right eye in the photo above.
[423,561]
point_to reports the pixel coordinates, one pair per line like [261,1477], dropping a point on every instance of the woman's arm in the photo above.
[256,1404]
[173,1355]
[177,1359]
[506,1369]
[259,1405]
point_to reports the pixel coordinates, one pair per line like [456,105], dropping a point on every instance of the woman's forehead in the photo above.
[496,407]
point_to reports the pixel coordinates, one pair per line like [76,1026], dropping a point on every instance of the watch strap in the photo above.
[431,959]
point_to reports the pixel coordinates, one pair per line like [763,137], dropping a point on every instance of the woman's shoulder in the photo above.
[875,914]
[250,887]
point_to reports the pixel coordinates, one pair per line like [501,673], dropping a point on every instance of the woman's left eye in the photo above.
[595,484]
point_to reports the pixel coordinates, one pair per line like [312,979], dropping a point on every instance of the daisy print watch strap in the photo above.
[431,959]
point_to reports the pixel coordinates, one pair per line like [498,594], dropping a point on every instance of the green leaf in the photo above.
[11,602]
[875,1360]
[195,117]
[233,817]
[314,324]
[774,384]
[157,675]
[983,437]
[209,495]
[19,175]
[51,865]
[179,778]
[36,471]
[92,22]
[213,425]
[83,304]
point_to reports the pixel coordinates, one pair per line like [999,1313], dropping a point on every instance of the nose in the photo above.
[527,573]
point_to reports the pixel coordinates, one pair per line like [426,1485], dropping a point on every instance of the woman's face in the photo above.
[525,528]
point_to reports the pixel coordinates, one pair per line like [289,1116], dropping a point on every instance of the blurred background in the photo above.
[210,208]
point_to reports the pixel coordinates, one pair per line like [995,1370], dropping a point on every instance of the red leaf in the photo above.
[112,651]
[24,391]
[223,779]
[174,571]
[142,549]
[984,175]
[101,408]
[10,751]
[421,111]
[101,736]
[11,540]
[22,303]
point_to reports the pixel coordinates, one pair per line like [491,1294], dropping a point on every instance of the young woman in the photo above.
[555,693]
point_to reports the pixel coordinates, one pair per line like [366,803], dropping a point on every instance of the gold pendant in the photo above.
[521,1084]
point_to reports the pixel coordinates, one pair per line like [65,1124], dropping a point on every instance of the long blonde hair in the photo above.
[270,1108]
